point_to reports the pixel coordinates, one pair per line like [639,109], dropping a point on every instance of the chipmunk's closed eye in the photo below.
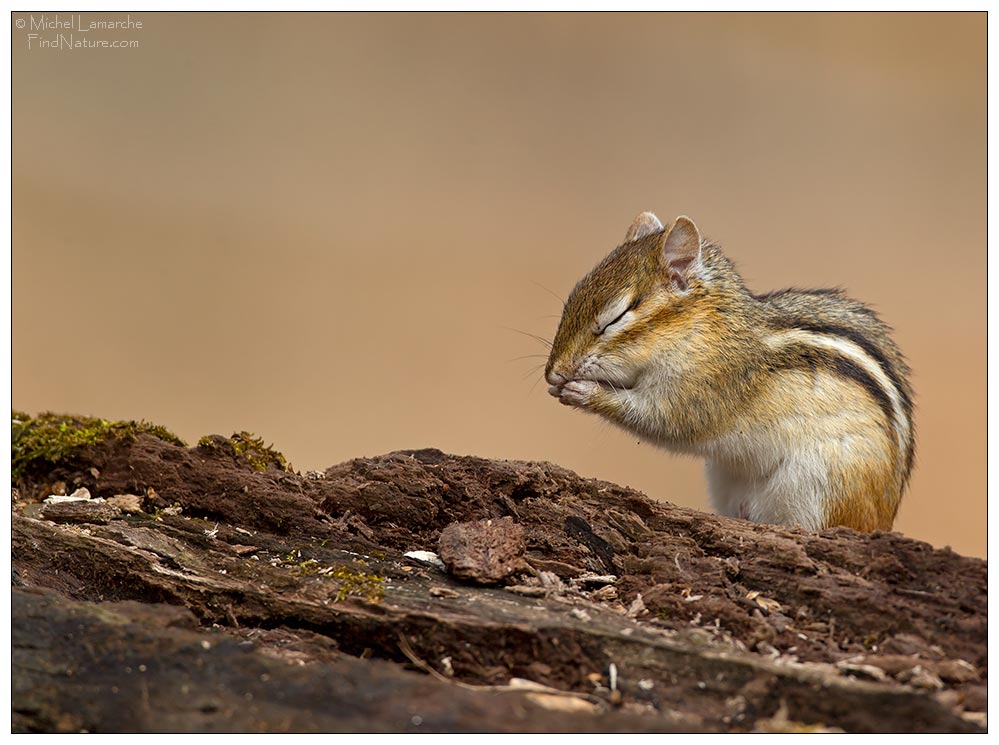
[613,314]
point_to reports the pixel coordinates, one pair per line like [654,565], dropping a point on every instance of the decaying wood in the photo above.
[272,601]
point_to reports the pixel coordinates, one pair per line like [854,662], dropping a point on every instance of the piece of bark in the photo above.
[483,551]
[80,512]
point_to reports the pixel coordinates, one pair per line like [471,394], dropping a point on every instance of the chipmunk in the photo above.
[798,400]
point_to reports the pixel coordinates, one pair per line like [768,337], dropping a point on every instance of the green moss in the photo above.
[51,438]
[174,509]
[353,582]
[248,447]
[307,567]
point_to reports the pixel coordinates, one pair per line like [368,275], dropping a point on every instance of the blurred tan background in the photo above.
[321,228]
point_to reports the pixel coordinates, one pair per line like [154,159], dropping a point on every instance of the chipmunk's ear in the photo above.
[681,251]
[645,224]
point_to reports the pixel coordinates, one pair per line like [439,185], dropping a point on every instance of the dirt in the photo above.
[636,615]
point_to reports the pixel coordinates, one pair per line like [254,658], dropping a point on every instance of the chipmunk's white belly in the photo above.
[793,493]
[785,468]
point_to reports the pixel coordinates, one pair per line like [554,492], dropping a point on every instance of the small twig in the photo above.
[411,655]
[917,593]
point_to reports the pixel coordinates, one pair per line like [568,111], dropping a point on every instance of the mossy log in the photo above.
[249,599]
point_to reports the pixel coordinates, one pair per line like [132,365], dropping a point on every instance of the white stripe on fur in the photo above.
[856,354]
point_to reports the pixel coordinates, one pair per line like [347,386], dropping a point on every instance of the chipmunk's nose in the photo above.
[555,382]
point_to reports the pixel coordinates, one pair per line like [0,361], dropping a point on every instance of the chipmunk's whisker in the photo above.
[539,379]
[543,340]
[553,294]
[532,371]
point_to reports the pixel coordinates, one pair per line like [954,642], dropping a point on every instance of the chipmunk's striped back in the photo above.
[852,338]
[825,329]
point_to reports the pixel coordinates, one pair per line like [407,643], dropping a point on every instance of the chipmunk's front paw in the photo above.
[578,392]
